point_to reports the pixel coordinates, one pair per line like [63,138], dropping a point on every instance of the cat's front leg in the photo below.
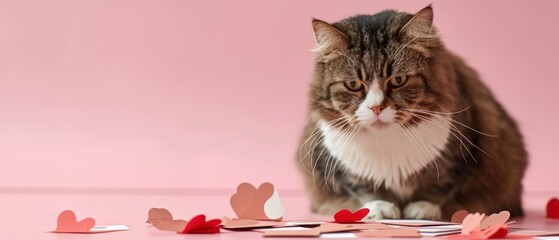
[422,210]
[380,209]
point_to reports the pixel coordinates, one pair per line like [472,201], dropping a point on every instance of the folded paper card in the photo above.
[68,223]
[413,222]
[323,228]
[262,203]
[532,233]
[248,224]
[395,233]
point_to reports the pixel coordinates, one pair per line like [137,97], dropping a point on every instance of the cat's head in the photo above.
[380,70]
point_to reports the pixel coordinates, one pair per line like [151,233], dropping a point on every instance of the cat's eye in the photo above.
[398,81]
[353,85]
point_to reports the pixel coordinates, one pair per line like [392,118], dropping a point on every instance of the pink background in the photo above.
[167,95]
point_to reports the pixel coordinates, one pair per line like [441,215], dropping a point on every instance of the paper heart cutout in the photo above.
[477,226]
[552,209]
[472,222]
[198,224]
[262,203]
[495,219]
[459,216]
[67,223]
[346,216]
[156,213]
[163,220]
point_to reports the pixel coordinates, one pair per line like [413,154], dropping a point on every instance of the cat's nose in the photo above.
[377,109]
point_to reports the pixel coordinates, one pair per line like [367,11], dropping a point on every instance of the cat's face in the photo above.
[376,71]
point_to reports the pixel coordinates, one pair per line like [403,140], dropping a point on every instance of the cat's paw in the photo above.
[422,210]
[382,209]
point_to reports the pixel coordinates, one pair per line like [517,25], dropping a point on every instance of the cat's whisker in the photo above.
[450,121]
[354,131]
[453,134]
[330,161]
[433,157]
[453,128]
[310,135]
[446,150]
[397,54]
[314,136]
[442,113]
[317,132]
[340,125]
[412,138]
[449,112]
[447,118]
[402,128]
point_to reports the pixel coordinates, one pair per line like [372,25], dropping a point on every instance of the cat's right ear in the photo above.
[330,42]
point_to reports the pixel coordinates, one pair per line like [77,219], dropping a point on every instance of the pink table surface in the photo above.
[32,214]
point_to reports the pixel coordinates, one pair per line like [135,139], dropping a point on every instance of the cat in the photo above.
[400,125]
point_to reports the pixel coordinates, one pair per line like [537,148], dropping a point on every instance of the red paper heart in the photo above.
[553,208]
[495,231]
[345,216]
[199,224]
[67,223]
[501,233]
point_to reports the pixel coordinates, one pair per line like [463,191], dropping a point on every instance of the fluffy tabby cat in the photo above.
[400,125]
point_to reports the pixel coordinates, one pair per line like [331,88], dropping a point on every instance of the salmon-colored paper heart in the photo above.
[168,224]
[163,220]
[157,213]
[552,209]
[346,216]
[260,203]
[459,216]
[198,224]
[67,223]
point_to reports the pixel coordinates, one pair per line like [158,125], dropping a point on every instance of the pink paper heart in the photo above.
[495,219]
[472,223]
[67,223]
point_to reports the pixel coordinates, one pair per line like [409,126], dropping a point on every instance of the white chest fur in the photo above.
[388,155]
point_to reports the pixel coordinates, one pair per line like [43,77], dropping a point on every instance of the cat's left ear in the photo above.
[420,24]
[330,41]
